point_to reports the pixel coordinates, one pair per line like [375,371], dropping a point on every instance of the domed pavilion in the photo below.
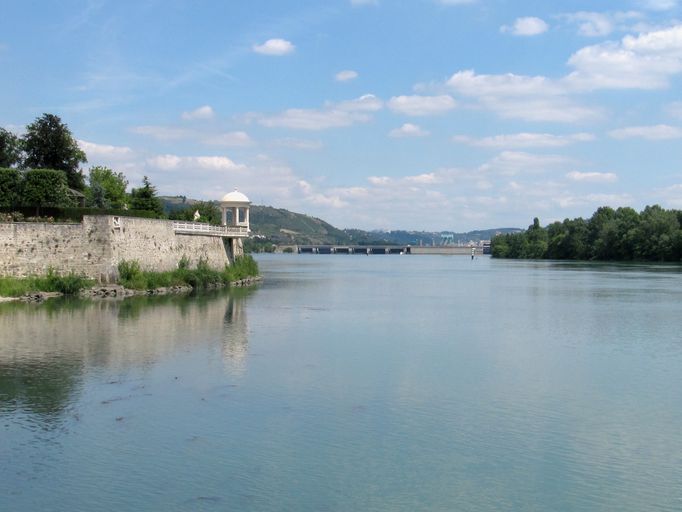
[234,207]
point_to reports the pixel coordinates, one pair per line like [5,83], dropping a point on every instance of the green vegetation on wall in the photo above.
[69,284]
[131,276]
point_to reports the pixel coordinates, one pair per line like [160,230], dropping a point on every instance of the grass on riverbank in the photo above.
[131,276]
[69,284]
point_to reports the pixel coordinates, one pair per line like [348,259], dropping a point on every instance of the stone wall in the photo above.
[96,246]
[155,245]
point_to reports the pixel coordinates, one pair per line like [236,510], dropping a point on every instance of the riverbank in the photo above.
[132,281]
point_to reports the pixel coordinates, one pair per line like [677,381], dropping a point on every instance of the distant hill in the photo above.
[280,226]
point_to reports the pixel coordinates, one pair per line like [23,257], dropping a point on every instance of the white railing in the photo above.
[201,228]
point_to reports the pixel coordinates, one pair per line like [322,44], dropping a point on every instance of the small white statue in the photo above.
[197,215]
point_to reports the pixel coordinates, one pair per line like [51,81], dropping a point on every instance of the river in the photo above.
[353,383]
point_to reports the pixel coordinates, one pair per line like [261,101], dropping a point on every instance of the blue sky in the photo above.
[413,114]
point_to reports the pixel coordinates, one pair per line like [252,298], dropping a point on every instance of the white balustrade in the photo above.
[201,228]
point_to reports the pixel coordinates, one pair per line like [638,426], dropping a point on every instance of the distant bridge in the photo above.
[353,249]
[383,249]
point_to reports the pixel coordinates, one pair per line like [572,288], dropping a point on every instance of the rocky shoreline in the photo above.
[117,291]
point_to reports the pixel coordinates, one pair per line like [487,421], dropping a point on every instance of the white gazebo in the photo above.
[235,210]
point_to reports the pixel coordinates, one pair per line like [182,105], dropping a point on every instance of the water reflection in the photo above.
[236,339]
[47,350]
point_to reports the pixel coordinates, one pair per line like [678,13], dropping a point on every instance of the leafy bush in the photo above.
[10,185]
[69,284]
[203,276]
[45,187]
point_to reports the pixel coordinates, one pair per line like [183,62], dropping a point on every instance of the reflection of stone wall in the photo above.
[46,350]
[119,333]
[96,246]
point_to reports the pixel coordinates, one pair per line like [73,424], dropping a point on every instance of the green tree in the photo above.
[537,241]
[107,188]
[48,144]
[10,184]
[10,149]
[499,246]
[208,212]
[627,221]
[144,198]
[656,236]
[45,187]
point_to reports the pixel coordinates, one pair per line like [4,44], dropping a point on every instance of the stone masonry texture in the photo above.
[95,247]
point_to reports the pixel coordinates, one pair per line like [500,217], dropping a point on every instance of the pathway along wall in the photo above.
[95,247]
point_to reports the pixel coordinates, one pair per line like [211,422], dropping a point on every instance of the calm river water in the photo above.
[353,383]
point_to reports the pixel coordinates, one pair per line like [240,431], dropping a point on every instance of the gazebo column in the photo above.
[223,212]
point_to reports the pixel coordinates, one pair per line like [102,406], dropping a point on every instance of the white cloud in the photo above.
[524,140]
[337,115]
[658,5]
[237,138]
[671,196]
[531,98]
[210,163]
[309,119]
[456,2]
[274,47]
[592,177]
[509,163]
[408,130]
[379,180]
[162,132]
[205,112]
[422,105]
[365,103]
[469,83]
[592,24]
[657,132]
[346,75]
[646,61]
[600,24]
[674,109]
[299,143]
[96,151]
[527,26]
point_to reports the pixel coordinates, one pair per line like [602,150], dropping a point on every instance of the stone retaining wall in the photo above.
[97,245]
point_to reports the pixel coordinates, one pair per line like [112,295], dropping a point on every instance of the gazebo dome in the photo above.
[235,197]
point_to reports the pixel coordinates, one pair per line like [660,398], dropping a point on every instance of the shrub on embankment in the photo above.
[131,276]
[69,284]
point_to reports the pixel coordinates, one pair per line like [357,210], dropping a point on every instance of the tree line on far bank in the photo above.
[42,169]
[623,234]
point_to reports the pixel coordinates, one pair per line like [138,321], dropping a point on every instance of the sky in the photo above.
[414,114]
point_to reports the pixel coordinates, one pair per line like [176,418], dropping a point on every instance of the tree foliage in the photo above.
[144,198]
[48,144]
[107,189]
[10,149]
[45,187]
[10,186]
[655,234]
[208,212]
